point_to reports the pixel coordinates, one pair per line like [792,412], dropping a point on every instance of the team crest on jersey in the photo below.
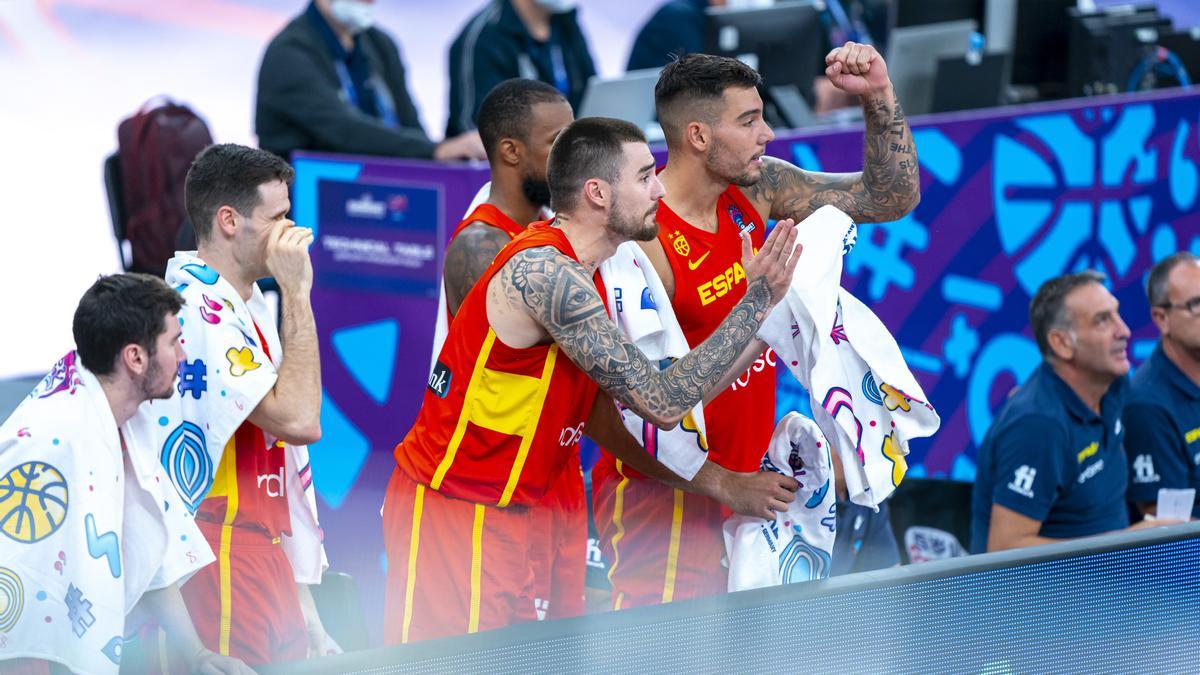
[740,220]
[680,244]
[439,380]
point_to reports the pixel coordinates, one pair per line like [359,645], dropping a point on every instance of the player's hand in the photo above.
[857,69]
[758,494]
[287,257]
[777,259]
[463,146]
[206,662]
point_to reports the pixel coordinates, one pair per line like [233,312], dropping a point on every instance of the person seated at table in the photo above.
[333,82]
[1051,466]
[1162,419]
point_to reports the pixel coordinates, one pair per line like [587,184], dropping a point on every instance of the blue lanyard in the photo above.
[561,81]
[383,99]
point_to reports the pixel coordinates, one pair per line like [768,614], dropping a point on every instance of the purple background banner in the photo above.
[1010,198]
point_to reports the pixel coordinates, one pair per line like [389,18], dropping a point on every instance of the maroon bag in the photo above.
[156,147]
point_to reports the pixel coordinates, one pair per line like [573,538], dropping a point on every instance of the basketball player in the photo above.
[529,348]
[248,412]
[664,544]
[68,581]
[518,122]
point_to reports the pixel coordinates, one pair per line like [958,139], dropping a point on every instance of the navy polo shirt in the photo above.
[1049,457]
[1162,430]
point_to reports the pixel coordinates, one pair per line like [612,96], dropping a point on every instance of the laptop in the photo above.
[629,97]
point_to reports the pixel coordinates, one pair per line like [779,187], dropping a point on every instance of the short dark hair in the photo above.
[120,310]
[229,175]
[592,147]
[508,108]
[1156,283]
[689,87]
[1047,310]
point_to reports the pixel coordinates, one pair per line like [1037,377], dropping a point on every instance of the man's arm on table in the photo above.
[558,293]
[757,494]
[1010,529]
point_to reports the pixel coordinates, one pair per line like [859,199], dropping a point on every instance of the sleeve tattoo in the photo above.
[887,188]
[560,295]
[468,258]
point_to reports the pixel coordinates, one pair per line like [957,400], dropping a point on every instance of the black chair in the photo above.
[927,513]
[116,208]
[340,607]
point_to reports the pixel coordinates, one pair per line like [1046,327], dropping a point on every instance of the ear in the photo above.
[510,151]
[597,192]
[135,358]
[1159,316]
[225,221]
[1062,345]
[698,135]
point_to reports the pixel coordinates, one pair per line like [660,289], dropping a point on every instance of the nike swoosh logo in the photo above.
[693,265]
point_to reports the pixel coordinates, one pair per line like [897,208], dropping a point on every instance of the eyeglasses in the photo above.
[1191,306]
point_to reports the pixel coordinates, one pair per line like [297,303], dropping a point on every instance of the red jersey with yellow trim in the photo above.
[249,485]
[497,422]
[709,281]
[490,215]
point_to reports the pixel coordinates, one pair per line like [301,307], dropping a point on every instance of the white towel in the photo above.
[864,397]
[798,544]
[85,529]
[638,302]
[226,375]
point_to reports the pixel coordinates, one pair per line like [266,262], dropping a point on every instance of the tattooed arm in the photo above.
[559,295]
[468,257]
[755,493]
[888,187]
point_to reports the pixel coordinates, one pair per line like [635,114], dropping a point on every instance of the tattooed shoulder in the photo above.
[468,257]
[555,289]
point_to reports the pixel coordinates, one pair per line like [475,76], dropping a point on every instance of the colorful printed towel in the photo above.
[225,376]
[639,303]
[864,398]
[85,529]
[798,544]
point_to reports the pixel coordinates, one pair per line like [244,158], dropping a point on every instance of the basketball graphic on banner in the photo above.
[33,502]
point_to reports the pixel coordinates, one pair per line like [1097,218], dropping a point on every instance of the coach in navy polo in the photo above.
[1051,466]
[1162,418]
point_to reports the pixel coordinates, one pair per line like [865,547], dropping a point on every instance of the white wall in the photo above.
[70,70]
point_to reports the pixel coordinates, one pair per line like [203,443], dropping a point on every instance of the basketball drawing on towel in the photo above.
[33,502]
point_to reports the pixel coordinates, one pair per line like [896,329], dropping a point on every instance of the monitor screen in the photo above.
[785,42]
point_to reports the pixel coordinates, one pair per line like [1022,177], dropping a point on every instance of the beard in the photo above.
[632,226]
[725,165]
[150,381]
[536,191]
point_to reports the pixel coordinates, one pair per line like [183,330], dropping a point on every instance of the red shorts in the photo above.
[454,566]
[245,604]
[661,544]
[559,555]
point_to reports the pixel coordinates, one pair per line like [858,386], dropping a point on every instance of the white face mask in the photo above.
[355,15]
[557,6]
